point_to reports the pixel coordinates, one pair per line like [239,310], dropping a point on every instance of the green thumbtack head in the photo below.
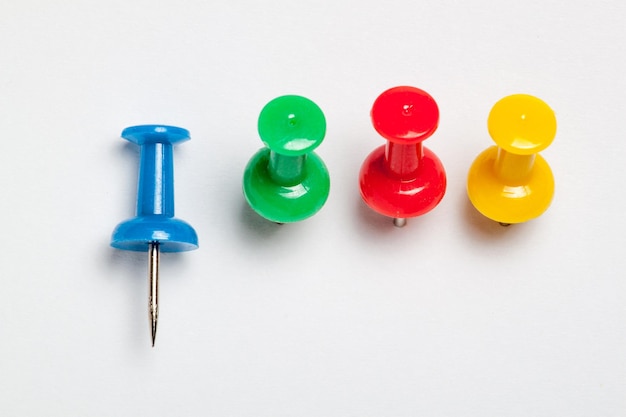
[287,182]
[292,125]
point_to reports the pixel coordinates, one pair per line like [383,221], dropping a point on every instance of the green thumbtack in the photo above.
[287,182]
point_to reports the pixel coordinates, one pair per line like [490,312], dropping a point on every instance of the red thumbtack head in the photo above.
[403,179]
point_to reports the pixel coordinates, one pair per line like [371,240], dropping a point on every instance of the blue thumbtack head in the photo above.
[154,228]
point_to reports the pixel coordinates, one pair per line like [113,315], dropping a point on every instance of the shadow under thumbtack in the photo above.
[482,227]
[256,228]
[375,223]
[129,263]
[131,267]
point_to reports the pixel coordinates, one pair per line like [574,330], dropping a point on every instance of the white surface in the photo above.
[340,315]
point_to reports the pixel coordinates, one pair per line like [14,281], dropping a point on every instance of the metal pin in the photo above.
[399,221]
[505,224]
[153,278]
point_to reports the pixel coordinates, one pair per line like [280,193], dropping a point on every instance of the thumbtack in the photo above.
[403,179]
[154,229]
[286,181]
[511,182]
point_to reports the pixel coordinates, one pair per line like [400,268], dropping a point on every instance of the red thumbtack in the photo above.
[403,179]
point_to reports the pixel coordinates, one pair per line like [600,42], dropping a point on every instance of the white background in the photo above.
[342,314]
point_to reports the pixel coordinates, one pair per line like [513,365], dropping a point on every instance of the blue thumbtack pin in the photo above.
[154,228]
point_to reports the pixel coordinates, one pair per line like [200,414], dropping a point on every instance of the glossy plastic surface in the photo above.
[522,124]
[292,125]
[287,182]
[511,183]
[154,219]
[405,115]
[402,178]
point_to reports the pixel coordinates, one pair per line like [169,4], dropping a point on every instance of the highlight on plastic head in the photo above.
[405,115]
[292,125]
[522,124]
[155,134]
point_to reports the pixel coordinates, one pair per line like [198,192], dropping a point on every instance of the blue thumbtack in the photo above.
[154,228]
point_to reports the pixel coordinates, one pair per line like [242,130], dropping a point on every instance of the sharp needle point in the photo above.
[153,278]
[154,327]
